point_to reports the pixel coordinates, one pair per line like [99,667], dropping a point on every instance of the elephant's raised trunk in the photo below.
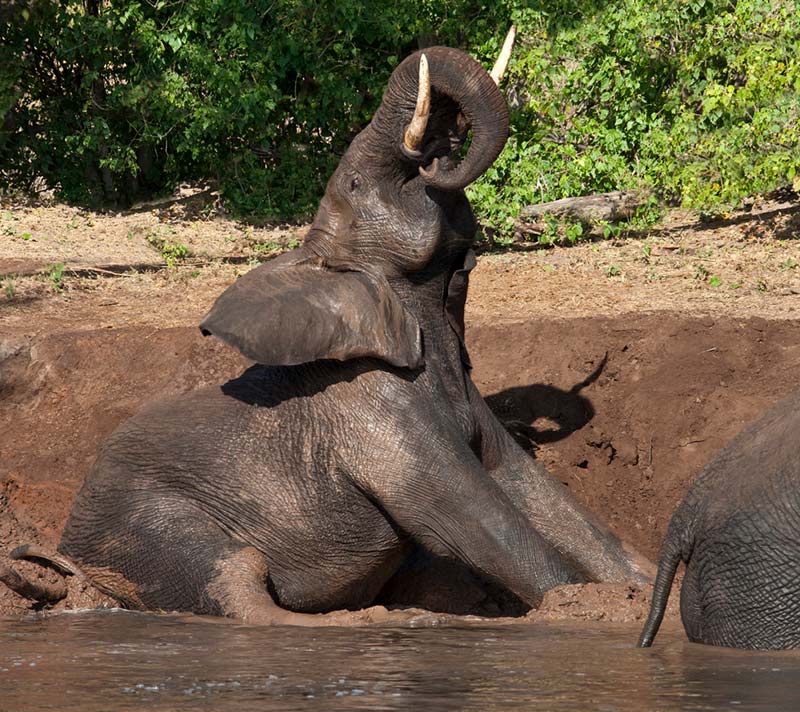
[455,79]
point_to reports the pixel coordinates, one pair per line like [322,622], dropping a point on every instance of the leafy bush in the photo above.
[697,100]
[110,102]
[113,101]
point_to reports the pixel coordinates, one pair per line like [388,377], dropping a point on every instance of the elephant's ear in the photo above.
[457,298]
[295,309]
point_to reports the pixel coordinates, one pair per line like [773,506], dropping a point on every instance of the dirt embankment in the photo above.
[623,384]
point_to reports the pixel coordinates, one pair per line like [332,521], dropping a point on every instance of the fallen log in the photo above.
[612,207]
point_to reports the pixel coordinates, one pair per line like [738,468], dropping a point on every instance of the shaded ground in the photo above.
[624,381]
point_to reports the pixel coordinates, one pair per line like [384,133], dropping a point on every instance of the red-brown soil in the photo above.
[623,388]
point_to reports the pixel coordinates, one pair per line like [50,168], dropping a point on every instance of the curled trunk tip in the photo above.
[457,82]
[39,591]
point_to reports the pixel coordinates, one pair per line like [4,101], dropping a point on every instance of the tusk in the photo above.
[416,129]
[501,64]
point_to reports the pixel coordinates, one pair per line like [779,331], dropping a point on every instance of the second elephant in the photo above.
[738,531]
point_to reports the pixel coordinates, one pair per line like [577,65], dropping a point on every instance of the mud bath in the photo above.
[622,401]
[625,411]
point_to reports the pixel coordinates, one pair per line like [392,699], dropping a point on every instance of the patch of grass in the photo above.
[614,271]
[267,246]
[789,263]
[171,252]
[9,290]
[8,229]
[55,275]
[272,246]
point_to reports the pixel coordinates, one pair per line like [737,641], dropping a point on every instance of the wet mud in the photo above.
[624,410]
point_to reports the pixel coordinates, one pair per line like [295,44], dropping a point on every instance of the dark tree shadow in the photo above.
[518,408]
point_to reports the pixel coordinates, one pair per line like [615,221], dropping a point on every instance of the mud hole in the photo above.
[622,365]
[623,410]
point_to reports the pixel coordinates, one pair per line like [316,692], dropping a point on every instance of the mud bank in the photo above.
[624,410]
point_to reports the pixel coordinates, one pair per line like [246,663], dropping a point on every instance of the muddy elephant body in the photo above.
[738,532]
[304,485]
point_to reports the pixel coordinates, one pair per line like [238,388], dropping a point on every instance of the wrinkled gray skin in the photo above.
[738,531]
[305,484]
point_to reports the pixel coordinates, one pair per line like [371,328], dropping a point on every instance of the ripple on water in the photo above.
[124,661]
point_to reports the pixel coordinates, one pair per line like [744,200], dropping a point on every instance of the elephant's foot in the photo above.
[643,571]
[239,590]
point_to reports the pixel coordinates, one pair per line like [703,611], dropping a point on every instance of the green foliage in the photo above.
[115,101]
[697,100]
[55,275]
[171,252]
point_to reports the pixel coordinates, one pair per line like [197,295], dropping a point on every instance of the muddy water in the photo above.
[122,661]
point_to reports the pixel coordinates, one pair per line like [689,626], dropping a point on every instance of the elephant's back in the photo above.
[758,471]
[742,517]
[742,584]
[264,462]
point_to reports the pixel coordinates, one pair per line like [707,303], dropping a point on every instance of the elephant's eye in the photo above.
[355,183]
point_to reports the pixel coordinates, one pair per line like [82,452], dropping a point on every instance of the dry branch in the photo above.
[590,209]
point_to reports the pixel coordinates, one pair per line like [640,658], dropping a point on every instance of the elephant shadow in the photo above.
[522,409]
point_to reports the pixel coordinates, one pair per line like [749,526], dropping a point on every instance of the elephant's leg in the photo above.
[175,558]
[172,557]
[691,612]
[240,591]
[551,508]
[432,487]
[444,584]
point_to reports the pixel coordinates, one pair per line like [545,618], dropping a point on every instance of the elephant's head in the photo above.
[394,209]
[396,199]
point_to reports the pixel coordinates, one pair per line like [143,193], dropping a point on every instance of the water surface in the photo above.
[131,661]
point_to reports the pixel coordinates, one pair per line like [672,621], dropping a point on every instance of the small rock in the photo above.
[626,450]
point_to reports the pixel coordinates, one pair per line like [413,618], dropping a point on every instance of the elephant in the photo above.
[303,485]
[738,532]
